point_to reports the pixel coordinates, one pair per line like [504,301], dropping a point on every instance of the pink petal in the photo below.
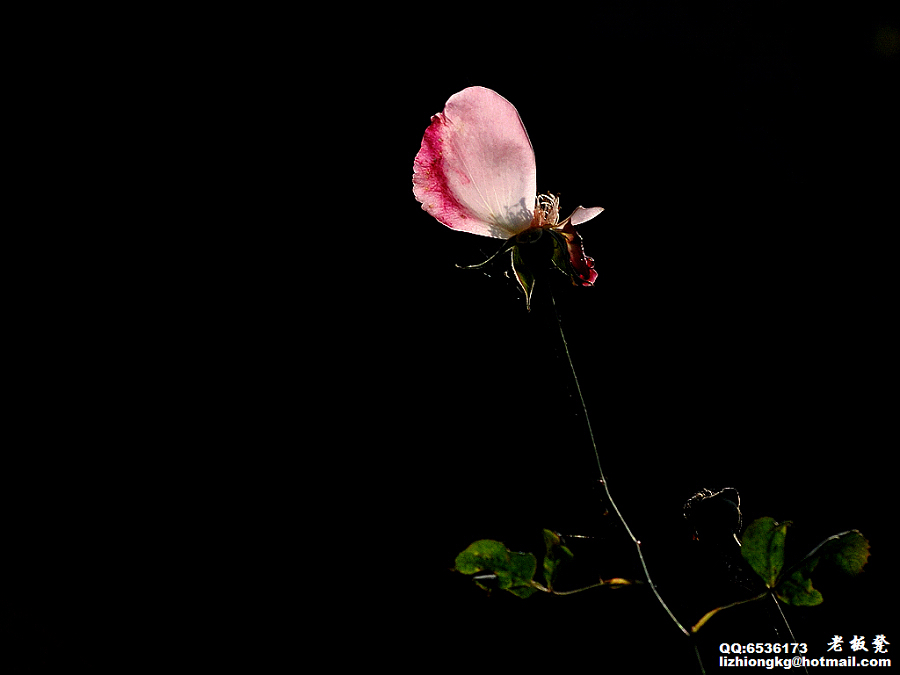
[475,170]
[582,215]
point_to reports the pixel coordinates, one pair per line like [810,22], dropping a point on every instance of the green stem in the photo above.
[713,612]
[609,497]
[587,588]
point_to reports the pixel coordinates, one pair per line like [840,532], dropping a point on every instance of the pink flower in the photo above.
[475,172]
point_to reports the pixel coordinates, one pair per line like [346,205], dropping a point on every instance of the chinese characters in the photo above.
[858,643]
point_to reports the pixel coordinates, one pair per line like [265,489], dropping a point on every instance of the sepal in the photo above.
[507,245]
[524,275]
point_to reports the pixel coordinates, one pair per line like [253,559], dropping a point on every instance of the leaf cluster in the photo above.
[514,571]
[763,549]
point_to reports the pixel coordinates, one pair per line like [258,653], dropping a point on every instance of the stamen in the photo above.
[547,212]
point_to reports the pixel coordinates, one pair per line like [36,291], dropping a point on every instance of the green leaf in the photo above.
[763,548]
[514,571]
[556,553]
[848,551]
[551,539]
[522,567]
[551,566]
[797,589]
[481,556]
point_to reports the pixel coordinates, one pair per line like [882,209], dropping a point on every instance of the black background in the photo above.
[264,345]
[738,335]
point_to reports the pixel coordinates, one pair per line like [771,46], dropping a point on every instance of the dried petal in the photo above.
[475,171]
[582,265]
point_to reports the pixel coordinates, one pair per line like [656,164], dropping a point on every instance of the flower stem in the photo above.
[605,484]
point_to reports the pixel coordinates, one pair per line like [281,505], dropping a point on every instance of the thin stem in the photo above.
[586,588]
[706,617]
[605,484]
[783,617]
[786,624]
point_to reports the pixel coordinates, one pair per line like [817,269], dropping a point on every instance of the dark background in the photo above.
[263,343]
[738,334]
